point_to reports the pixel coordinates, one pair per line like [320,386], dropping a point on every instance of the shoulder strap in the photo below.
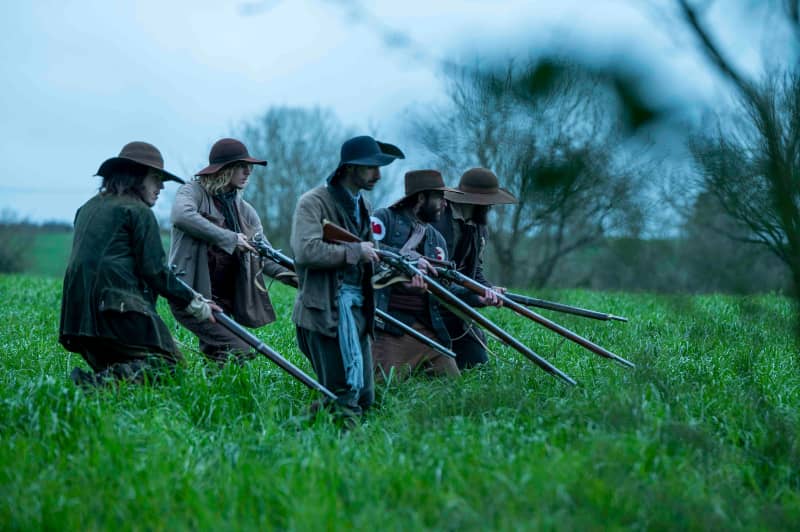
[417,234]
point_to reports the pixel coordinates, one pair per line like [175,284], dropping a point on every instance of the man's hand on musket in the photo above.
[425,267]
[368,253]
[203,309]
[243,244]
[490,298]
[418,283]
[214,308]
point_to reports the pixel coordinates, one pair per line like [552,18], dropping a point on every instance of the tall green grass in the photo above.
[702,434]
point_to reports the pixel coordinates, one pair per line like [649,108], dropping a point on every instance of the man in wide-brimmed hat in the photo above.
[116,271]
[211,231]
[405,227]
[334,307]
[463,225]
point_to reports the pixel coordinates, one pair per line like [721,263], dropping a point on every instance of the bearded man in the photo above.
[334,308]
[404,227]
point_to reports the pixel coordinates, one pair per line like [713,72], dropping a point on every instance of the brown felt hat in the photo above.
[140,153]
[479,186]
[423,180]
[225,152]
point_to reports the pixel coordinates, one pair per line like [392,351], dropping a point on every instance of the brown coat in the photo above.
[320,265]
[195,226]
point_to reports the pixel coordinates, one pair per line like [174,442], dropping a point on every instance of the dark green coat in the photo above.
[115,273]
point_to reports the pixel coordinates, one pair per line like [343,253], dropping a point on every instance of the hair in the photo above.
[124,178]
[411,200]
[216,182]
[342,172]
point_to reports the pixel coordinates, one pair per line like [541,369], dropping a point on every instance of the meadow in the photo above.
[702,434]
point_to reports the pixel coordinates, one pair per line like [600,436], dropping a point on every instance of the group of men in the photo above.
[118,267]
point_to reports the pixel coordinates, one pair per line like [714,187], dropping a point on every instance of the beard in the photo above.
[428,213]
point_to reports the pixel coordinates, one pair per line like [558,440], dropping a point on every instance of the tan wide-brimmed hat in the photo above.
[225,152]
[423,180]
[479,186]
[140,153]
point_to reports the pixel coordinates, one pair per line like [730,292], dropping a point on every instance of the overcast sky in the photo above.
[83,77]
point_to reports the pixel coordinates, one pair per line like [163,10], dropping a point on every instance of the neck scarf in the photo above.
[227,202]
[349,343]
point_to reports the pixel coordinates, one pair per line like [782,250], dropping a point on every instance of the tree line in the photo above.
[600,206]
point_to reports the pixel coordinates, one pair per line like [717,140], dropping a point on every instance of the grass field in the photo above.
[50,253]
[703,434]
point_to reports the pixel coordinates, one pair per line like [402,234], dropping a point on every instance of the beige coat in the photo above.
[320,265]
[195,221]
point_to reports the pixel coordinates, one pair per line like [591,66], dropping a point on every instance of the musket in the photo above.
[333,233]
[560,307]
[476,287]
[266,350]
[541,303]
[265,250]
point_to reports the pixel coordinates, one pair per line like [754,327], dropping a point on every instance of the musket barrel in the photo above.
[270,353]
[560,307]
[478,288]
[267,351]
[414,333]
[446,296]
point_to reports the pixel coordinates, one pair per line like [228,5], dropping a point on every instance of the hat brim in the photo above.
[109,164]
[500,197]
[214,168]
[391,149]
[446,190]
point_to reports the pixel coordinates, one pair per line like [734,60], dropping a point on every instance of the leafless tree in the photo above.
[752,167]
[302,147]
[556,150]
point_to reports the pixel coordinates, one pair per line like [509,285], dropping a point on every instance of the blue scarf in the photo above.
[349,343]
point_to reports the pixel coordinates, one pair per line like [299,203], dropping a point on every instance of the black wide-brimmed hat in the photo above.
[140,153]
[225,152]
[422,181]
[479,186]
[366,151]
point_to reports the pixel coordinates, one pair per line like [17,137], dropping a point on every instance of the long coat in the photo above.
[195,226]
[115,273]
[321,266]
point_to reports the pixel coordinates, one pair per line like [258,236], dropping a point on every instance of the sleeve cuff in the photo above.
[352,252]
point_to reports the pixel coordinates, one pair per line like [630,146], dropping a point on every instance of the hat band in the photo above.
[478,190]
[229,159]
[143,161]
